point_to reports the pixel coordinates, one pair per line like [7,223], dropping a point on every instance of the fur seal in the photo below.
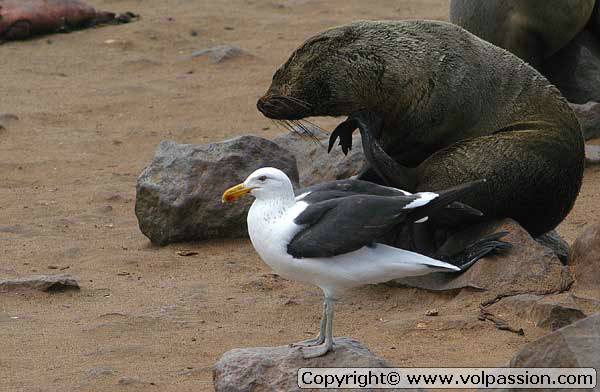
[21,19]
[531,29]
[447,108]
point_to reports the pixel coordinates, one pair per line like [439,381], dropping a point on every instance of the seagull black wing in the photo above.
[346,187]
[454,214]
[345,224]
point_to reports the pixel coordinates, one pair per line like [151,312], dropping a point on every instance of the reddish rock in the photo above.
[548,312]
[528,267]
[573,346]
[585,260]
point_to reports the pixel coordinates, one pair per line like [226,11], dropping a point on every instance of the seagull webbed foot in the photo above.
[317,351]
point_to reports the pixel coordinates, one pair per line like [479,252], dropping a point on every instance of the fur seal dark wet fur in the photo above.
[448,108]
[531,29]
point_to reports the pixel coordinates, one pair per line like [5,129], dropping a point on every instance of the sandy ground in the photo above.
[91,113]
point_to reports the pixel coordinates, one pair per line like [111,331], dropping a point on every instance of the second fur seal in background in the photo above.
[448,108]
[531,29]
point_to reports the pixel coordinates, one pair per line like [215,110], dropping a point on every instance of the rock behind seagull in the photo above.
[315,165]
[528,267]
[178,196]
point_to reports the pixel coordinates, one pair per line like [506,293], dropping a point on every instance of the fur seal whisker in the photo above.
[302,124]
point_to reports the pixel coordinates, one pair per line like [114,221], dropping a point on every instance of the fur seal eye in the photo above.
[262,178]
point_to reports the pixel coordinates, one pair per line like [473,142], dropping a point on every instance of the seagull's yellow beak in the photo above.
[234,193]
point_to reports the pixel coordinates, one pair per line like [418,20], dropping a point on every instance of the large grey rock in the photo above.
[576,345]
[588,115]
[575,69]
[528,267]
[554,241]
[276,368]
[592,155]
[315,165]
[549,312]
[178,196]
[52,283]
[585,260]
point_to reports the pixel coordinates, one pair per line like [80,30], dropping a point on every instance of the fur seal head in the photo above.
[326,76]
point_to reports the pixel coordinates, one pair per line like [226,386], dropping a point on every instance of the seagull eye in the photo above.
[262,178]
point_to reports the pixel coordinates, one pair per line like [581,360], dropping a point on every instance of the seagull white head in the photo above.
[264,183]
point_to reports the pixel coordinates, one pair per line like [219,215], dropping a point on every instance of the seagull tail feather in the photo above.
[445,198]
[487,245]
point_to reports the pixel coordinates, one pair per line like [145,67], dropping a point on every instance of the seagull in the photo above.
[329,238]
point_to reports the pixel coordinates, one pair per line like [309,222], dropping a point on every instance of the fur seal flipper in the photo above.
[452,107]
[344,132]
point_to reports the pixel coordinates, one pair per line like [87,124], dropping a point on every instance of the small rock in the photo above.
[7,119]
[98,372]
[276,368]
[432,312]
[12,229]
[178,196]
[315,165]
[526,268]
[592,154]
[186,253]
[575,69]
[554,241]
[50,283]
[131,381]
[549,312]
[585,260]
[588,115]
[220,53]
[105,210]
[575,345]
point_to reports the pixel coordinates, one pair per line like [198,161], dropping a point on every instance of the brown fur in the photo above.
[453,107]
[531,29]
